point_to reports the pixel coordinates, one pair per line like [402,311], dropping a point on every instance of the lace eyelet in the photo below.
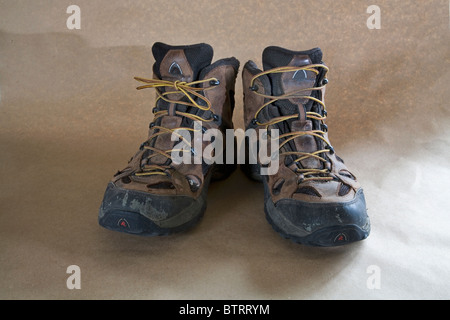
[325,81]
[194,183]
[214,82]
[141,147]
[126,180]
[254,87]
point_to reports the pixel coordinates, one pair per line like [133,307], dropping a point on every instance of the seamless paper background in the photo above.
[70,117]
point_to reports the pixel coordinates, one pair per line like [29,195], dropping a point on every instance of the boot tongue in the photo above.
[175,63]
[181,63]
[286,82]
[289,82]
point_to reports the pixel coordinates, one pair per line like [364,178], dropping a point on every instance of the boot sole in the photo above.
[137,224]
[329,236]
[322,226]
[326,237]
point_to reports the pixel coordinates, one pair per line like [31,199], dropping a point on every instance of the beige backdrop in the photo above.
[70,117]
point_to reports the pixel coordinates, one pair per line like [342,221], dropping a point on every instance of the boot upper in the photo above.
[291,89]
[189,88]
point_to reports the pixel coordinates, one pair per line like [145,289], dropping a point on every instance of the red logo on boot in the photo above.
[123,223]
[341,237]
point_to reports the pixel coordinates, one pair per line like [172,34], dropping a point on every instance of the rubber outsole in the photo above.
[328,236]
[332,236]
[135,223]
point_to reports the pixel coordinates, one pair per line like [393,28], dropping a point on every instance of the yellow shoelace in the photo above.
[308,173]
[191,92]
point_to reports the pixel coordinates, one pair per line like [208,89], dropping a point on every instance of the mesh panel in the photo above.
[161,185]
[344,189]
[309,191]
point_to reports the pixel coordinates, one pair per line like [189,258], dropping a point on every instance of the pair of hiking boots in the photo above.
[312,198]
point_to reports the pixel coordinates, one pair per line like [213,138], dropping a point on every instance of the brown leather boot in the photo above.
[154,195]
[313,198]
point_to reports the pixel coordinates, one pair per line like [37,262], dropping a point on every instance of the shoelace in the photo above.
[306,173]
[189,90]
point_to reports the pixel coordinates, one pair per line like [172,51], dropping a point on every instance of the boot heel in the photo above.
[223,171]
[252,171]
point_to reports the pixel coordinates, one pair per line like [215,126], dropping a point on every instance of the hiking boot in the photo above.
[155,195]
[313,198]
